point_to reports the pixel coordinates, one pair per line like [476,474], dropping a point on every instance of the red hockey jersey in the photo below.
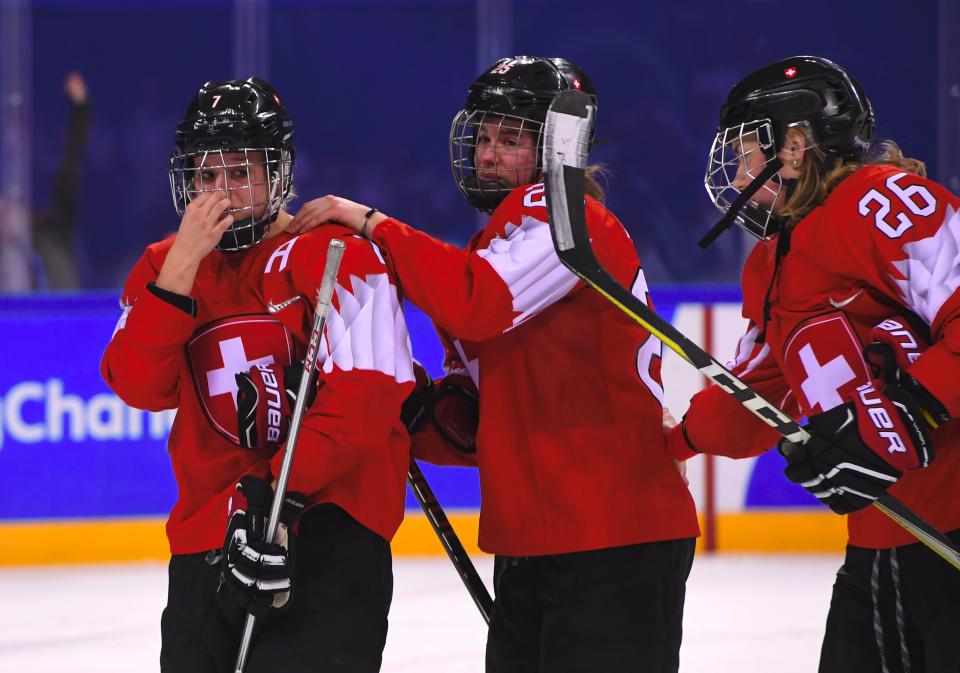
[353,449]
[570,446]
[885,242]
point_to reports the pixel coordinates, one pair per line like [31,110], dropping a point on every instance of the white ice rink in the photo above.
[744,614]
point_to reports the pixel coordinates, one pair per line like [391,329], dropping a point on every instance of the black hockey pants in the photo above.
[609,610]
[894,611]
[336,621]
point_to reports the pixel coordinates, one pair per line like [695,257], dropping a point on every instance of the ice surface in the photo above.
[744,614]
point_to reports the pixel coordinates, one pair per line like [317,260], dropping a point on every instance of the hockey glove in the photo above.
[860,449]
[456,411]
[256,575]
[418,406]
[265,398]
[895,347]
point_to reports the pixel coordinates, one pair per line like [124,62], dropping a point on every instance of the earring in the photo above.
[795,163]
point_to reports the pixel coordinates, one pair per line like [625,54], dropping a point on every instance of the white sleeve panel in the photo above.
[367,330]
[529,266]
[931,271]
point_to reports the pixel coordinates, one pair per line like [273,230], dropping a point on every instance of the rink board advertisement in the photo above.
[72,453]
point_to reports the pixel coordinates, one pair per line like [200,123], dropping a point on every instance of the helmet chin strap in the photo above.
[772,167]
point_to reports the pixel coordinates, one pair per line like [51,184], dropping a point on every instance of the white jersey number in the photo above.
[535,197]
[906,196]
[652,347]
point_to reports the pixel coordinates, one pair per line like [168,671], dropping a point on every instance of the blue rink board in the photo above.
[70,449]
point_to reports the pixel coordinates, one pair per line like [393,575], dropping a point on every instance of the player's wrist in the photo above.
[177,273]
[679,445]
[371,218]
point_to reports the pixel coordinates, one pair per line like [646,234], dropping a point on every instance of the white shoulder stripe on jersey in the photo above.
[367,330]
[529,266]
[931,271]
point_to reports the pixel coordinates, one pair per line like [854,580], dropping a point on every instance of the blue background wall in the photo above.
[373,86]
[70,449]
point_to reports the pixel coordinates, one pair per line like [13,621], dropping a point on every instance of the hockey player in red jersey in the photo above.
[857,249]
[592,525]
[232,294]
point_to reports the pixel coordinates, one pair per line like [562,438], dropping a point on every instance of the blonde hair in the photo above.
[820,174]
[592,177]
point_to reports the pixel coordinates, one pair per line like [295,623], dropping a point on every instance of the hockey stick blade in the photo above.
[565,159]
[448,538]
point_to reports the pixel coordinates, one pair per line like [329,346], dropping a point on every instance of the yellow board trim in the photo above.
[87,541]
[780,531]
[119,540]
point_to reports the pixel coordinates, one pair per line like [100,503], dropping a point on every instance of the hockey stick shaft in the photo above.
[309,378]
[448,538]
[566,142]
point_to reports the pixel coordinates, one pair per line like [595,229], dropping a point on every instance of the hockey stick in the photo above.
[451,543]
[566,143]
[324,295]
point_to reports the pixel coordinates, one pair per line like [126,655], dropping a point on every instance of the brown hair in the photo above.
[592,177]
[820,174]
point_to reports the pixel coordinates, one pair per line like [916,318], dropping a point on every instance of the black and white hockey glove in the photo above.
[256,575]
[860,449]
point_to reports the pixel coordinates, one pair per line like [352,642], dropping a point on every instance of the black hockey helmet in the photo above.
[803,91]
[516,92]
[239,116]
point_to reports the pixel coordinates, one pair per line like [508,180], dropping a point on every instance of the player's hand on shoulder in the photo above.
[332,209]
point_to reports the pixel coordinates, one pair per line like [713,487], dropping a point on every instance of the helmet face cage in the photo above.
[744,149]
[257,178]
[485,186]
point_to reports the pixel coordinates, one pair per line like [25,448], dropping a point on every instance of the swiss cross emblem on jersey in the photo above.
[823,361]
[221,349]
[790,72]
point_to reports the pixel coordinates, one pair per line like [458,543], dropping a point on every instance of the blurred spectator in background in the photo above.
[54,241]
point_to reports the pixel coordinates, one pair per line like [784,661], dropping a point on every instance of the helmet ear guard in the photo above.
[238,117]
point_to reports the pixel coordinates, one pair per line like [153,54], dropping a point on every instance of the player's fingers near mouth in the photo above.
[218,208]
[221,226]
